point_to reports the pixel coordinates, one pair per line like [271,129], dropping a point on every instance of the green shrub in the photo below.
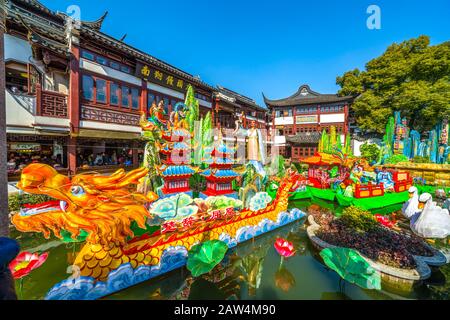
[369,151]
[358,219]
[16,201]
[396,158]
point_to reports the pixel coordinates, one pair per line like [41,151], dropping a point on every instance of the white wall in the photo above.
[108,126]
[332,118]
[284,121]
[20,109]
[356,145]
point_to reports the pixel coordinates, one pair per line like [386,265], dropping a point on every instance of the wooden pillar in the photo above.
[73,105]
[144,96]
[319,128]
[345,119]
[294,113]
[74,90]
[4,212]
[216,112]
[72,155]
[135,154]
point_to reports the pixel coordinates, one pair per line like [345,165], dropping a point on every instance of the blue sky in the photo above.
[265,46]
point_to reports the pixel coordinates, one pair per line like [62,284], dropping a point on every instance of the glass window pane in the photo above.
[125,96]
[125,69]
[102,60]
[87,55]
[115,65]
[101,90]
[135,98]
[88,87]
[114,94]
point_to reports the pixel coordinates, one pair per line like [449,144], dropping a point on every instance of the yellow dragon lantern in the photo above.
[105,206]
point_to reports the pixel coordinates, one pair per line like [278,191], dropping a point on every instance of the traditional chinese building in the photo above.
[229,106]
[175,155]
[298,120]
[220,175]
[75,93]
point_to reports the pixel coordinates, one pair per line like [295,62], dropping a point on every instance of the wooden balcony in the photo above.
[50,104]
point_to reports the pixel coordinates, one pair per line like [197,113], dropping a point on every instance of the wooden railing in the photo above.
[50,104]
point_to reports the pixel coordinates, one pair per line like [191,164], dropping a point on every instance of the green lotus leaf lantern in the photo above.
[352,267]
[203,257]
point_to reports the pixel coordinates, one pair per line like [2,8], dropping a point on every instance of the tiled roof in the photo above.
[176,170]
[240,97]
[220,173]
[305,96]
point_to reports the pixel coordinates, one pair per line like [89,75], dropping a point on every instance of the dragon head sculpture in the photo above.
[104,206]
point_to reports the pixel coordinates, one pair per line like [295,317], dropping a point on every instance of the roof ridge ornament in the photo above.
[97,24]
[123,37]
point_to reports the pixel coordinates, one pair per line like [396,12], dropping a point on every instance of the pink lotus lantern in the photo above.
[284,248]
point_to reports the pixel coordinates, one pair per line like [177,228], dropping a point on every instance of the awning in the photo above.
[91,133]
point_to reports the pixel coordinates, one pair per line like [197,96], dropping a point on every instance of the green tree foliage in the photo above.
[369,151]
[412,77]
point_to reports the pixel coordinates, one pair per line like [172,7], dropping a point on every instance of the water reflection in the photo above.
[253,270]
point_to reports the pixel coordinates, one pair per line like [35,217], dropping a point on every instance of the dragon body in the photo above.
[105,207]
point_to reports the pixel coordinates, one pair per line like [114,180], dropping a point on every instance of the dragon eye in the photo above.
[77,191]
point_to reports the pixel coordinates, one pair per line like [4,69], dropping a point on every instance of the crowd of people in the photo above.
[18,161]
[103,159]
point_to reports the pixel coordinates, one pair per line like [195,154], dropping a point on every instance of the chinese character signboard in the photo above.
[25,147]
[156,76]
[306,119]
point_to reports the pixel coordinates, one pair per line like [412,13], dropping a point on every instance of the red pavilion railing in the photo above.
[50,104]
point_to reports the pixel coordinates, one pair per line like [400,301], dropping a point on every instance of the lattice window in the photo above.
[53,105]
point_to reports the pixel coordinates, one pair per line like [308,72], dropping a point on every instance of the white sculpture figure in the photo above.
[411,206]
[433,221]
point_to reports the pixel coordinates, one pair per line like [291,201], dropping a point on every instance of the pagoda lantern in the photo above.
[175,155]
[220,175]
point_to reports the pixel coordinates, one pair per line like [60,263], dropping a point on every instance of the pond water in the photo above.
[253,270]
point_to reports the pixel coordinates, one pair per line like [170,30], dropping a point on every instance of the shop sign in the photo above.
[306,119]
[156,76]
[25,147]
